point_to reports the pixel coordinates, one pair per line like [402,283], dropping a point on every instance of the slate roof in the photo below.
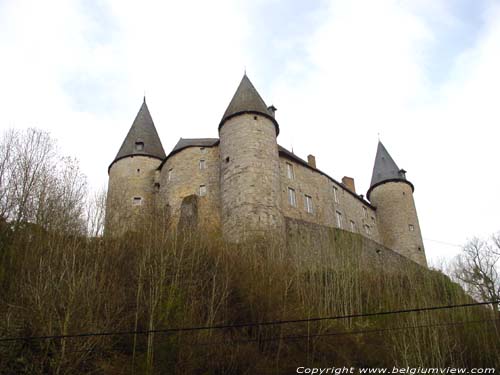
[246,99]
[385,169]
[193,142]
[190,142]
[142,130]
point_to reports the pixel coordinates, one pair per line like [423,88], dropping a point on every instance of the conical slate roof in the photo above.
[385,169]
[246,99]
[142,131]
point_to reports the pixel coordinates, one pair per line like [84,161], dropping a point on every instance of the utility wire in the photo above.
[243,325]
[329,334]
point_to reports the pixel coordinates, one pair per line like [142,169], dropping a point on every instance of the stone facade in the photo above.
[131,189]
[244,184]
[398,219]
[250,180]
[192,171]
[333,205]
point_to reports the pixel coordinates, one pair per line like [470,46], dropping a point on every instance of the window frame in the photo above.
[308,204]
[292,197]
[340,220]
[202,190]
[290,173]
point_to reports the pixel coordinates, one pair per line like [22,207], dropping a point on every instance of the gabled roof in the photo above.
[142,130]
[385,169]
[246,99]
[193,142]
[190,142]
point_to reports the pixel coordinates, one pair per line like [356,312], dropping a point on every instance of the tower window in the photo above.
[339,219]
[138,171]
[203,150]
[202,164]
[292,199]
[336,194]
[411,227]
[137,201]
[227,159]
[368,230]
[289,171]
[203,190]
[170,174]
[139,146]
[365,212]
[308,202]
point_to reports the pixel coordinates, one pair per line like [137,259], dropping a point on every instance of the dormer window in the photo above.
[139,146]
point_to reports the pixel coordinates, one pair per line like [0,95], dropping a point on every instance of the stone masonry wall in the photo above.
[250,182]
[397,212]
[186,177]
[306,181]
[306,240]
[128,178]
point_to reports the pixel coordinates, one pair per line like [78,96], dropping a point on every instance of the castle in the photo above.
[246,184]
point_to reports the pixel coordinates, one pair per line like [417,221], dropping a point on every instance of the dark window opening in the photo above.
[255,117]
[139,146]
[227,159]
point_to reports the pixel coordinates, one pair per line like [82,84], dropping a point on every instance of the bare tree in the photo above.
[37,185]
[477,269]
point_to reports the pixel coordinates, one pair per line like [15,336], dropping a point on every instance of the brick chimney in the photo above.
[349,183]
[311,160]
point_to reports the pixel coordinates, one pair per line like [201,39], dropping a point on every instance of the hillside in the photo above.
[157,279]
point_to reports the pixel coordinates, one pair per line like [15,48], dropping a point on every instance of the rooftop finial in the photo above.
[144,97]
[245,70]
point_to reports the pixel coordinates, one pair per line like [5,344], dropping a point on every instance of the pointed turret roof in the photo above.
[246,99]
[385,169]
[142,131]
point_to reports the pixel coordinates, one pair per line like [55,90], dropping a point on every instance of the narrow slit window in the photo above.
[368,230]
[411,227]
[203,190]
[137,201]
[202,164]
[308,202]
[203,150]
[339,219]
[170,174]
[292,199]
[289,171]
[353,226]
[336,194]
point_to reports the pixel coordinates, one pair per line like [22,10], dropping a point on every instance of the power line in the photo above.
[329,334]
[244,325]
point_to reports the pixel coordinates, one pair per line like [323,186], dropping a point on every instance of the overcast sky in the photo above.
[423,74]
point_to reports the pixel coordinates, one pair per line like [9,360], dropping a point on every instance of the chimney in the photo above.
[272,110]
[349,183]
[311,160]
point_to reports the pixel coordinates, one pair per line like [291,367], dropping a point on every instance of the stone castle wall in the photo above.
[399,227]
[250,181]
[306,241]
[306,181]
[129,178]
[181,176]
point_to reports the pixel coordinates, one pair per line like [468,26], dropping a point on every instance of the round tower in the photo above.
[131,183]
[250,181]
[392,194]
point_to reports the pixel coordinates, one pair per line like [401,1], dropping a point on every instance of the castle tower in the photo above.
[250,180]
[131,184]
[392,194]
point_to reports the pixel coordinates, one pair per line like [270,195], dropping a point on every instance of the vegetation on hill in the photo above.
[58,281]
